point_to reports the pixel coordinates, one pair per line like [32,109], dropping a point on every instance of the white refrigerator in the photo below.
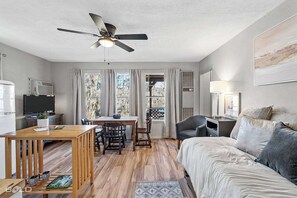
[7,121]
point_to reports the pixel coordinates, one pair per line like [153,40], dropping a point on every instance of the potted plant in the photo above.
[42,120]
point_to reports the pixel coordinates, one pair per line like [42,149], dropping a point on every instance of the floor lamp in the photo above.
[218,87]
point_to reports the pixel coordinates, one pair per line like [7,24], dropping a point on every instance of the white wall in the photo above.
[62,77]
[234,62]
[18,66]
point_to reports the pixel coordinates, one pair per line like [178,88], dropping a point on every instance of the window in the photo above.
[122,93]
[92,83]
[155,96]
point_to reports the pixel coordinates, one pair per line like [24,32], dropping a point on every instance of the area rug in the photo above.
[159,189]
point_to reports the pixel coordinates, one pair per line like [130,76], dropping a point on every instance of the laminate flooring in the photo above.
[116,175]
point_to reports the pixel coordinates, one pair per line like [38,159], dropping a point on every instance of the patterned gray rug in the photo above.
[160,189]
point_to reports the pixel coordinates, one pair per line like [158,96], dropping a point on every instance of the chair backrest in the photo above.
[113,129]
[198,120]
[149,124]
[85,121]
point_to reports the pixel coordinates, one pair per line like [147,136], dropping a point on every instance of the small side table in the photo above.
[31,163]
[219,126]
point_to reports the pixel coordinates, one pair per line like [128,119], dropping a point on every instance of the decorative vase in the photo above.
[97,114]
[44,123]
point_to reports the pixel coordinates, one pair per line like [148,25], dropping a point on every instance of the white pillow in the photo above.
[256,113]
[254,134]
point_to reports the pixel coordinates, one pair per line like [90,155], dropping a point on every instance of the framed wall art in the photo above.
[232,105]
[275,54]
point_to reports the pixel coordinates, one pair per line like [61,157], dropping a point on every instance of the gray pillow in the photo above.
[280,153]
[263,113]
[254,134]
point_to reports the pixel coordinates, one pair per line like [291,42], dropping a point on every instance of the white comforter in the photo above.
[218,169]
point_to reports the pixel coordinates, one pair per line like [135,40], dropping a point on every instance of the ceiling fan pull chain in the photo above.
[108,59]
[104,55]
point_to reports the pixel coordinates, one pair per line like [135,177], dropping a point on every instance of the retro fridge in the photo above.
[7,121]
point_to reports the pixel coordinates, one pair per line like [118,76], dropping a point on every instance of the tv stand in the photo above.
[56,119]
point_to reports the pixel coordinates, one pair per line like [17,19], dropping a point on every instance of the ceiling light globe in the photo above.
[106,42]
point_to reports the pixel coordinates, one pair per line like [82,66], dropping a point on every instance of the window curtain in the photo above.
[172,101]
[108,92]
[77,96]
[136,96]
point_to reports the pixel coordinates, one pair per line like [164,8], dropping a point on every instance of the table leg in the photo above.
[74,169]
[92,156]
[40,155]
[134,135]
[8,168]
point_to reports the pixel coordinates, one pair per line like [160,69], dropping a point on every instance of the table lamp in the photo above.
[218,87]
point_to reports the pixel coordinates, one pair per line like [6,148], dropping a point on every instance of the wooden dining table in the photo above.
[125,120]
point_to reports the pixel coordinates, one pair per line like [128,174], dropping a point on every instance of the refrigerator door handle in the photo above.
[6,113]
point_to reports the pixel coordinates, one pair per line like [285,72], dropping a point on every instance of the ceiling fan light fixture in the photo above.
[107,36]
[106,42]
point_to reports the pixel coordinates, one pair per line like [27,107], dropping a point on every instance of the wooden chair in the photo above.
[114,134]
[146,131]
[98,132]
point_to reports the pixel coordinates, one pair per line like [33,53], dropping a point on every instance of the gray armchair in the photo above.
[194,126]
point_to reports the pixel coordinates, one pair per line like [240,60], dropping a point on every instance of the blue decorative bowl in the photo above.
[116,116]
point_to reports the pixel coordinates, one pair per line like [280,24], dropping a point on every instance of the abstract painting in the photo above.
[275,54]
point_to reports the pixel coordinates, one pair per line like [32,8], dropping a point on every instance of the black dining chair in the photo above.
[114,134]
[146,131]
[98,132]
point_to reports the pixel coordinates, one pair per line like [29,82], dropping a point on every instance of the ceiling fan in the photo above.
[107,36]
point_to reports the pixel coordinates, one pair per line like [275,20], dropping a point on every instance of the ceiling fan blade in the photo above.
[123,46]
[131,36]
[95,45]
[100,24]
[77,32]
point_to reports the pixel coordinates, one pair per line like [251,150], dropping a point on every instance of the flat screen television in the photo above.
[38,104]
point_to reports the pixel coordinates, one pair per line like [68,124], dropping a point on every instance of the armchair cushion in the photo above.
[187,134]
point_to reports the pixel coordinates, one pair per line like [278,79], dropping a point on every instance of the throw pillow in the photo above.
[263,113]
[253,135]
[280,153]
[289,119]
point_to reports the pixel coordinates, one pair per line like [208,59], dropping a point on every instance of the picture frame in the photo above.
[275,54]
[232,105]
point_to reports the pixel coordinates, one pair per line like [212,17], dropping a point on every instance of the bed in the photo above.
[218,169]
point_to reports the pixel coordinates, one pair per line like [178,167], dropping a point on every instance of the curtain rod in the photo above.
[119,69]
[126,69]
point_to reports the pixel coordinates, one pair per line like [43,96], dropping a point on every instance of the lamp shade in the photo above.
[218,87]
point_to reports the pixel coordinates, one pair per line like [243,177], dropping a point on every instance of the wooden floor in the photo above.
[116,175]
